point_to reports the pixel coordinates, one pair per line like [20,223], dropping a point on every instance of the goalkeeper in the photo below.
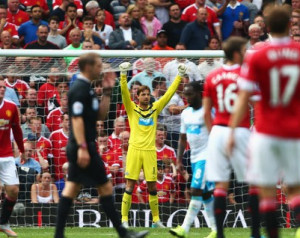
[142,152]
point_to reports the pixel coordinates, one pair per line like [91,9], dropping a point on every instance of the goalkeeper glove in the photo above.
[182,70]
[124,67]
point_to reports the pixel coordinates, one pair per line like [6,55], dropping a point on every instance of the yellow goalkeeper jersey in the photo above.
[143,122]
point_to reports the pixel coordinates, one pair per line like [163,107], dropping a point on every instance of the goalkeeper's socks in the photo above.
[295,206]
[267,209]
[209,208]
[64,206]
[254,211]
[126,204]
[192,212]
[7,207]
[153,202]
[108,207]
[220,209]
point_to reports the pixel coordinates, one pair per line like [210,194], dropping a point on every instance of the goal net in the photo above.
[41,80]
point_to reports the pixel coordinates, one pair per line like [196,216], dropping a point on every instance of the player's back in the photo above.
[221,86]
[276,70]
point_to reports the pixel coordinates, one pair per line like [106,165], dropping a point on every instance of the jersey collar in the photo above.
[231,67]
[281,40]
[81,77]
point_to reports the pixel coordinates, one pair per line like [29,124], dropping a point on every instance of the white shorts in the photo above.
[218,165]
[8,171]
[273,159]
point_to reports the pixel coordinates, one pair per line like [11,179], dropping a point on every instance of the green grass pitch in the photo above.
[154,232]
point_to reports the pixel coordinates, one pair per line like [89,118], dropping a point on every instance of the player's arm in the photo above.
[124,67]
[207,105]
[240,109]
[181,148]
[17,132]
[163,101]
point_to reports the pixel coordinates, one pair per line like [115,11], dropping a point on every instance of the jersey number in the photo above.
[226,98]
[292,73]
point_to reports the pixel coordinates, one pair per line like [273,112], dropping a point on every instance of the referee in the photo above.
[85,164]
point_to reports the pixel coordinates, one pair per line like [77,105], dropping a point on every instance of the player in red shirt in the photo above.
[59,139]
[9,121]
[220,92]
[15,83]
[275,144]
[189,14]
[48,90]
[55,116]
[14,14]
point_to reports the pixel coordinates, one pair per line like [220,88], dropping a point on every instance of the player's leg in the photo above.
[133,169]
[9,177]
[70,191]
[253,205]
[208,203]
[294,197]
[126,200]
[153,203]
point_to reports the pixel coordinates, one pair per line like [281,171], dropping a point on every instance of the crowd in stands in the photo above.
[115,25]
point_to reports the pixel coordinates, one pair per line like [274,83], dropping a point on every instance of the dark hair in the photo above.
[142,89]
[63,115]
[103,134]
[3,7]
[87,59]
[147,42]
[88,18]
[214,37]
[173,4]
[161,127]
[71,5]
[278,21]
[99,11]
[135,83]
[35,6]
[44,26]
[233,44]
[158,81]
[54,18]
[196,85]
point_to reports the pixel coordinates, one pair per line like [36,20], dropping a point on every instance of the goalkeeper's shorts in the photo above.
[141,159]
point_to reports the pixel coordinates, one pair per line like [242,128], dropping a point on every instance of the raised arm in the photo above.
[124,67]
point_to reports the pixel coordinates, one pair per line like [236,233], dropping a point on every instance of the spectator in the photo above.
[101,28]
[119,126]
[87,195]
[14,14]
[78,3]
[170,73]
[41,43]
[163,151]
[254,34]
[150,24]
[147,75]
[11,95]
[191,13]
[252,9]
[14,82]
[31,101]
[141,4]
[48,90]
[75,37]
[29,112]
[214,4]
[62,85]
[104,147]
[45,191]
[100,129]
[195,35]
[138,65]
[295,18]
[135,13]
[208,64]
[29,162]
[295,4]
[53,36]
[7,41]
[296,38]
[119,7]
[27,30]
[89,34]
[259,20]
[235,20]
[42,3]
[162,41]
[59,140]
[34,128]
[294,30]
[7,26]
[61,10]
[174,26]
[60,184]
[71,21]
[159,87]
[54,118]
[93,6]
[125,37]
[161,9]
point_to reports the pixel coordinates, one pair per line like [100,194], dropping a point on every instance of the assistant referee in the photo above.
[85,164]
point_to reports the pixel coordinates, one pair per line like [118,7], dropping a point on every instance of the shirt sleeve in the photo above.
[182,125]
[247,77]
[77,102]
[206,91]
[126,95]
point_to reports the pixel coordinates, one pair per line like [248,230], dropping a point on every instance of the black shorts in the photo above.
[94,174]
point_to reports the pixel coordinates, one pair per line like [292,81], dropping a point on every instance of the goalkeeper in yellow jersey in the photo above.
[142,152]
